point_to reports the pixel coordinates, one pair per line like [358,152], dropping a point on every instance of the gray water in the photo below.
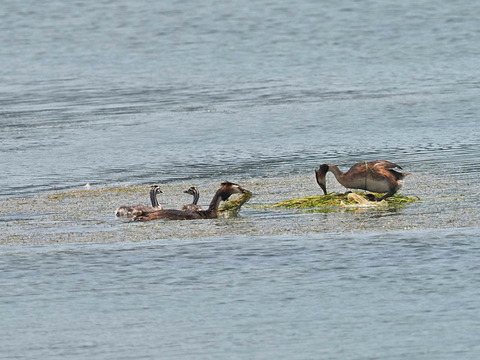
[120,95]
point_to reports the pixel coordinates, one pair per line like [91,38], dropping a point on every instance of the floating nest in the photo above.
[351,201]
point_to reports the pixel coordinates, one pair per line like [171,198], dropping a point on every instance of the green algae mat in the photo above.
[349,201]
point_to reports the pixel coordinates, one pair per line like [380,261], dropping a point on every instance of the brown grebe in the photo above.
[376,176]
[196,195]
[132,211]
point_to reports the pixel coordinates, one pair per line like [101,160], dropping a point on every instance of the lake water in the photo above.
[121,95]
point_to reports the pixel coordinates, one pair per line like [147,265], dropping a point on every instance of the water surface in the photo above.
[123,95]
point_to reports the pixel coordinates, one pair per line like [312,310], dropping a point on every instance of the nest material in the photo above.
[353,200]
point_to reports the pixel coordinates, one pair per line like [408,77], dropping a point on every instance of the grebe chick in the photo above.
[132,211]
[377,176]
[196,195]
[223,193]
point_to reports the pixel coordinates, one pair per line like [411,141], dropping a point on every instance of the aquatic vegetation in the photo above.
[352,201]
[232,206]
[398,199]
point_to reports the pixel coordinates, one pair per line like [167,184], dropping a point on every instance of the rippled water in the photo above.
[121,95]
[408,294]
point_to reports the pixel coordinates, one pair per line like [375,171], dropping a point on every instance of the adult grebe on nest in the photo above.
[196,195]
[375,176]
[223,193]
[132,211]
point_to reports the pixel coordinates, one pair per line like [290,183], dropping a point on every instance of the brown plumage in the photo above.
[223,193]
[377,176]
[132,211]
[196,195]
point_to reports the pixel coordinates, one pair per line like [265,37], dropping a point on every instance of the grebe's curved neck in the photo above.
[153,195]
[336,172]
[215,203]
[196,196]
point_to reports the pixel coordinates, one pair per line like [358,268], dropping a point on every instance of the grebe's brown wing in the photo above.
[384,164]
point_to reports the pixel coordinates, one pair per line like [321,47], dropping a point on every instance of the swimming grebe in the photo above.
[132,211]
[376,176]
[196,195]
[223,193]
